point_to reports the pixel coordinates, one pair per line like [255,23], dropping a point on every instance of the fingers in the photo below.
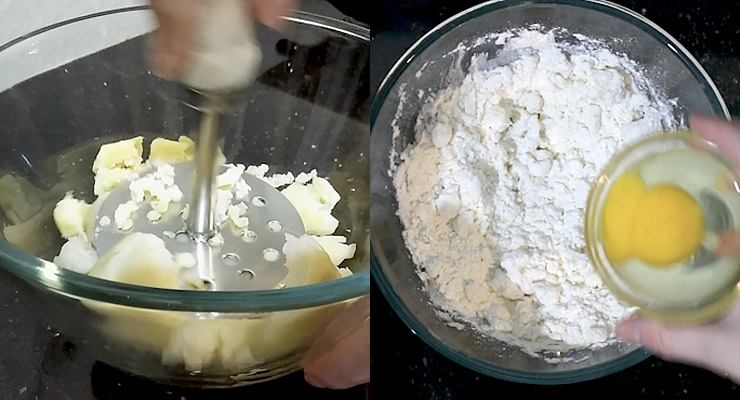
[712,346]
[174,39]
[729,244]
[352,316]
[672,342]
[345,365]
[340,357]
[270,12]
[721,132]
[709,346]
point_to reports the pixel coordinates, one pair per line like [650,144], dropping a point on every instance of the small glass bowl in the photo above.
[704,302]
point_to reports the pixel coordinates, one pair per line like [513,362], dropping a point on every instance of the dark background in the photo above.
[405,367]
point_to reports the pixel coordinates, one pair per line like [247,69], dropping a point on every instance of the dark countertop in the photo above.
[407,367]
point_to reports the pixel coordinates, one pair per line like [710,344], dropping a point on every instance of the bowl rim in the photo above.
[386,85]
[45,274]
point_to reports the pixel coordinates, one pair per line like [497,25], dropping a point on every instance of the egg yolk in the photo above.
[618,216]
[660,225]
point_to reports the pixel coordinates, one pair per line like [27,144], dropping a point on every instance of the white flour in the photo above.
[492,194]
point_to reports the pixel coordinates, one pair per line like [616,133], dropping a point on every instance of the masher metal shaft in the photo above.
[201,217]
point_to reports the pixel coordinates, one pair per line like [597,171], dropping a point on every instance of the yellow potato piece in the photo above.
[69,216]
[314,202]
[106,179]
[668,226]
[116,162]
[170,151]
[337,248]
[121,154]
[19,199]
[618,216]
[307,262]
[34,236]
[139,259]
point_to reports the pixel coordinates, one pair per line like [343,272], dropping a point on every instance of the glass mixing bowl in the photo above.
[395,108]
[72,86]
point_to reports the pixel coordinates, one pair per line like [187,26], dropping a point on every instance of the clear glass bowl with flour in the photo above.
[483,162]
[76,84]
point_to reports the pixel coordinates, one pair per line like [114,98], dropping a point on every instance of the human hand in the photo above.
[343,363]
[174,40]
[714,346]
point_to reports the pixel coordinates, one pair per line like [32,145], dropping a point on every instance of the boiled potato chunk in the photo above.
[70,215]
[170,151]
[140,259]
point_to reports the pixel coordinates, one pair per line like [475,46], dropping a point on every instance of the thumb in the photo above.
[708,346]
[345,365]
[723,133]
[174,40]
[270,12]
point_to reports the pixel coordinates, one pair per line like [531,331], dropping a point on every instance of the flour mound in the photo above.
[492,194]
